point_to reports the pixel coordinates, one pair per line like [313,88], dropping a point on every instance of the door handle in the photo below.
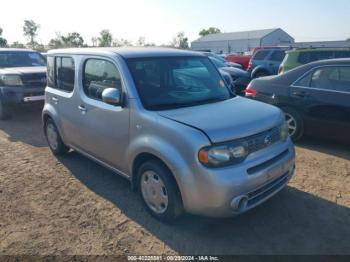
[82,109]
[299,94]
[55,100]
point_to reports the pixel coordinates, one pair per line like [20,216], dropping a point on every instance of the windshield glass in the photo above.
[172,82]
[21,59]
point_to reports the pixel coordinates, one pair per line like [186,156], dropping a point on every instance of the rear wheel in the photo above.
[4,111]
[159,191]
[294,122]
[54,139]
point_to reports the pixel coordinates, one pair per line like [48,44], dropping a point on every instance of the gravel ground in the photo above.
[71,205]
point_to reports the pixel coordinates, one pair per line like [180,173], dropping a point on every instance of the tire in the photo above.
[159,192]
[295,123]
[54,139]
[260,74]
[4,112]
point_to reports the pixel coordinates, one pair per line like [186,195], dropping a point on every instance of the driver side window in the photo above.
[98,75]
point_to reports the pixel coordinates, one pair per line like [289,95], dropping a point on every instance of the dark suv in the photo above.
[22,78]
[266,62]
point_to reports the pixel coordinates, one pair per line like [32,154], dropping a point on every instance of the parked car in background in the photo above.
[222,60]
[256,49]
[166,121]
[243,60]
[266,62]
[301,56]
[240,78]
[22,78]
[315,98]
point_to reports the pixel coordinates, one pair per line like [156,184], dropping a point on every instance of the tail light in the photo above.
[250,65]
[250,91]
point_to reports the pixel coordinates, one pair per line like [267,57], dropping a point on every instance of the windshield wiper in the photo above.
[192,103]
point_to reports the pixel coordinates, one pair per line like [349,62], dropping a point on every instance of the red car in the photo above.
[239,59]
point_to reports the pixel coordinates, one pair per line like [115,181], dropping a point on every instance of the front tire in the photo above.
[159,191]
[295,123]
[54,139]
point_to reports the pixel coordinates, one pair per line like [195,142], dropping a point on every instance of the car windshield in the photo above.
[217,62]
[172,82]
[21,59]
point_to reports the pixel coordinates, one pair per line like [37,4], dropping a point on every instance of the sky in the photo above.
[159,20]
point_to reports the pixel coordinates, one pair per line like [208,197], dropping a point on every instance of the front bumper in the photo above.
[230,191]
[21,95]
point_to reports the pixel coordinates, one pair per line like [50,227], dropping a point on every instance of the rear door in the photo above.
[324,97]
[97,128]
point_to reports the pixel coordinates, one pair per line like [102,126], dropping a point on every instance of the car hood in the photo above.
[227,120]
[235,71]
[23,70]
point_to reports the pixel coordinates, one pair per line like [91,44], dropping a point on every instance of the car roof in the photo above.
[330,62]
[16,50]
[127,52]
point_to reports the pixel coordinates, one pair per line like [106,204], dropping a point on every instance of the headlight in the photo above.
[223,155]
[284,131]
[11,80]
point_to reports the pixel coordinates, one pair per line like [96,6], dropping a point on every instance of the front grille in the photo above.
[34,80]
[266,190]
[263,139]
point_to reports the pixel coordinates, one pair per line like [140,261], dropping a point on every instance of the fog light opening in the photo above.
[242,204]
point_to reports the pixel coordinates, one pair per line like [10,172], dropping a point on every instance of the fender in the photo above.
[50,111]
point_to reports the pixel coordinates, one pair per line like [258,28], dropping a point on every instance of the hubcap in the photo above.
[292,124]
[154,192]
[51,136]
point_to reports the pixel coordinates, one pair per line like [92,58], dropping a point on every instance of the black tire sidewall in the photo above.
[61,147]
[175,207]
[298,120]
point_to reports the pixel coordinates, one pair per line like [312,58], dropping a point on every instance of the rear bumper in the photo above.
[21,95]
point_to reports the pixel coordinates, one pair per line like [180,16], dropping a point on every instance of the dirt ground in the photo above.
[71,205]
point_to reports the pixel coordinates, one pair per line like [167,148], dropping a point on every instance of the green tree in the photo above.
[71,40]
[17,45]
[3,41]
[209,31]
[180,41]
[121,42]
[105,38]
[30,29]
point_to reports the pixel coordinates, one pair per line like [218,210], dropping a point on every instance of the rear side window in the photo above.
[278,56]
[308,57]
[342,54]
[332,78]
[261,55]
[100,74]
[65,73]
[61,73]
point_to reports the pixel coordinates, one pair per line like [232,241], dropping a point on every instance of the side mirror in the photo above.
[112,96]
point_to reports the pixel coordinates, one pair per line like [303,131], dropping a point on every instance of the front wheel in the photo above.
[294,122]
[54,139]
[159,191]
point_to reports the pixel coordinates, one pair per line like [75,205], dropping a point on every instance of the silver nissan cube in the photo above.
[168,122]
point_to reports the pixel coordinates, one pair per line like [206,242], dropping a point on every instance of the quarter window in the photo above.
[261,55]
[100,74]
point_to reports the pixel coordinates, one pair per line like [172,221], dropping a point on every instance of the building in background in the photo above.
[239,42]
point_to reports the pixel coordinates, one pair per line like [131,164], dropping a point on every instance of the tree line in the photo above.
[104,39]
